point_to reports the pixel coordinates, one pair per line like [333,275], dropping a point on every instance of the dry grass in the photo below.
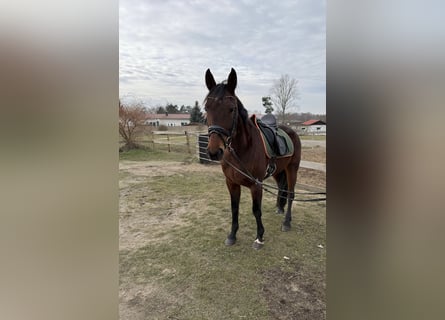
[315,154]
[174,217]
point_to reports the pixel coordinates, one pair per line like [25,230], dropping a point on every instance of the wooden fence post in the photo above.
[188,142]
[197,146]
[168,139]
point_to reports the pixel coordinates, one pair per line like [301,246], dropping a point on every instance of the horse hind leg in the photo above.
[291,181]
[282,191]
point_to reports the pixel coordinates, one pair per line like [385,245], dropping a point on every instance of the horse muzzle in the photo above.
[217,155]
[217,142]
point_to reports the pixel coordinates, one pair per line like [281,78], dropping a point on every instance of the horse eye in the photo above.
[231,109]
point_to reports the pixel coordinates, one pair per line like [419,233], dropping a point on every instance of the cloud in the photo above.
[166,46]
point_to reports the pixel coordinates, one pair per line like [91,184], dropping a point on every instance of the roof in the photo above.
[312,122]
[173,116]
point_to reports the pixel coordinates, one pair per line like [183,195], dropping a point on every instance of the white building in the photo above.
[169,120]
[313,127]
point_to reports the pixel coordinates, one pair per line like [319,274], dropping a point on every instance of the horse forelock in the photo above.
[219,91]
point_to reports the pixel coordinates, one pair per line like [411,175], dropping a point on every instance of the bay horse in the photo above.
[235,141]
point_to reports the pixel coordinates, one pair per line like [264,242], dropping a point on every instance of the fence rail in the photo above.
[185,141]
[191,142]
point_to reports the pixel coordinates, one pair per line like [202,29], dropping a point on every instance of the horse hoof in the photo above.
[257,244]
[285,228]
[279,211]
[230,242]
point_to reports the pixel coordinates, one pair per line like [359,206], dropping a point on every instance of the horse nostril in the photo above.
[216,156]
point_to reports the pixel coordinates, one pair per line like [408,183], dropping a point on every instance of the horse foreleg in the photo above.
[235,194]
[257,195]
[291,180]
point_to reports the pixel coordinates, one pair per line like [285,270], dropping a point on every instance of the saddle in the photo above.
[277,143]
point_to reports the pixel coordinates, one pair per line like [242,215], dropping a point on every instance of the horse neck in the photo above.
[244,134]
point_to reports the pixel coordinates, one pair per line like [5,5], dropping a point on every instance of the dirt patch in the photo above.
[312,177]
[163,168]
[315,154]
[138,199]
[294,295]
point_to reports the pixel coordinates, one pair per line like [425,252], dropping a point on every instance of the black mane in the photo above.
[219,91]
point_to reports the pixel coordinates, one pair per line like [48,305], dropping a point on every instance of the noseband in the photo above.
[224,134]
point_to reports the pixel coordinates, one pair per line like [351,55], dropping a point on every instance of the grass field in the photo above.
[156,155]
[174,217]
[313,137]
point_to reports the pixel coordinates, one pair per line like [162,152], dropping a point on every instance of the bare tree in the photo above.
[130,119]
[284,94]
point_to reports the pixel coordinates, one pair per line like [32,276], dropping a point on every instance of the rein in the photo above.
[265,186]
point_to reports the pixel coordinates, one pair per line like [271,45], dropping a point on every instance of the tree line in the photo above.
[196,116]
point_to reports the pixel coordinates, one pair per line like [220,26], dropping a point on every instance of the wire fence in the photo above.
[170,141]
[193,143]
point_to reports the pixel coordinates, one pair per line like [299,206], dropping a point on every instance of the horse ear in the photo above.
[231,81]
[210,81]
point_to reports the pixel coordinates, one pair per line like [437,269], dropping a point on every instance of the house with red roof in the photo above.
[315,127]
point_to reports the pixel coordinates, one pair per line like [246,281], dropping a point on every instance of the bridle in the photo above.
[225,135]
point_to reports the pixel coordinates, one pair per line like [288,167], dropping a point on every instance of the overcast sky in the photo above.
[167,45]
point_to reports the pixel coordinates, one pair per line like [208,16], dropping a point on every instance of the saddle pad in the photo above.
[267,137]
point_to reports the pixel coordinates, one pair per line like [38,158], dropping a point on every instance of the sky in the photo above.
[166,46]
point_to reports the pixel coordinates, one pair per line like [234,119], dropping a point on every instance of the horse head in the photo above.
[221,106]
